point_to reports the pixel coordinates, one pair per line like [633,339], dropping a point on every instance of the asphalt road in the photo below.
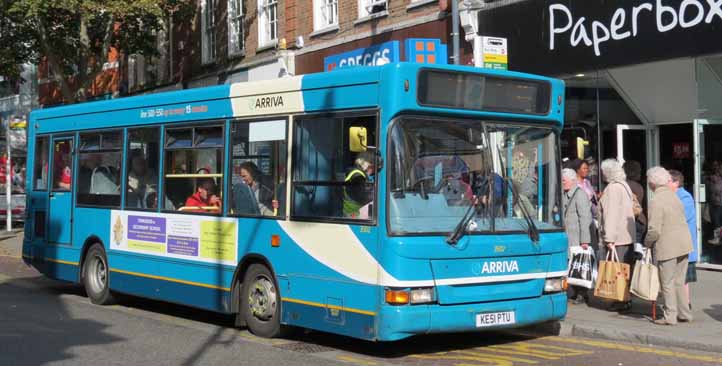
[45,322]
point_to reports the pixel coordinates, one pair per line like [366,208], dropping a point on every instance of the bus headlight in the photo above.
[423,295]
[558,284]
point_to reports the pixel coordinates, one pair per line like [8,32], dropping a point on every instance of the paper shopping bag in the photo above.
[582,267]
[645,279]
[613,281]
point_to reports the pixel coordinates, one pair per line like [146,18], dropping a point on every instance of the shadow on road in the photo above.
[37,328]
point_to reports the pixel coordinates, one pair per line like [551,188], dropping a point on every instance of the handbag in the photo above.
[582,267]
[613,281]
[645,279]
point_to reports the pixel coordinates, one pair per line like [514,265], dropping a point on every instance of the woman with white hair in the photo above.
[577,222]
[618,225]
[668,233]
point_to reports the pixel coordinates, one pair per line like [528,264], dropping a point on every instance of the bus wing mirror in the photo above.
[357,139]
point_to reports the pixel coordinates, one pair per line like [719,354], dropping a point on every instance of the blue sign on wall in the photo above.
[425,50]
[379,54]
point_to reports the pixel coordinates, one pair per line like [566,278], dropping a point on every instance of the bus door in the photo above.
[60,194]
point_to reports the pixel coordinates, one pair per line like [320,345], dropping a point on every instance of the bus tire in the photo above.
[96,276]
[261,302]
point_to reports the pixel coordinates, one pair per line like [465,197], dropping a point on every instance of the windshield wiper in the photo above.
[532,230]
[460,228]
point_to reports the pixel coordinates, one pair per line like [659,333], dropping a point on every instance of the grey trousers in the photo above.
[672,273]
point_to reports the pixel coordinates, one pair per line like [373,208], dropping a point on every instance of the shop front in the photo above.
[644,83]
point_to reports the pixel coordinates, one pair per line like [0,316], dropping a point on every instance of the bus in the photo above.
[372,202]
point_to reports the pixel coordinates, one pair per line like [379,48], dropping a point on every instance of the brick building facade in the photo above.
[245,40]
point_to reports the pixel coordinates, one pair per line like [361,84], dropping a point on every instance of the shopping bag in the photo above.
[645,279]
[582,267]
[613,281]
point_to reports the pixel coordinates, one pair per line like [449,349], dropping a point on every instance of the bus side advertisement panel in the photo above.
[190,237]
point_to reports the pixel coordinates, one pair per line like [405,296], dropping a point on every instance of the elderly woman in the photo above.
[618,225]
[577,220]
[668,233]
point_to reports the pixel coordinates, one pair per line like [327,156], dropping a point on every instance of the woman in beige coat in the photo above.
[669,235]
[618,227]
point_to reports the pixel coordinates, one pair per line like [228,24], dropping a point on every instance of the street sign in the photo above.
[495,53]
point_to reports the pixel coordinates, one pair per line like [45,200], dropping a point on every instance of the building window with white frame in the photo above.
[267,22]
[235,27]
[325,14]
[368,8]
[208,29]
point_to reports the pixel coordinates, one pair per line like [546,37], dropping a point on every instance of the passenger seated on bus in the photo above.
[204,200]
[140,180]
[358,187]
[151,200]
[243,201]
[64,178]
[251,175]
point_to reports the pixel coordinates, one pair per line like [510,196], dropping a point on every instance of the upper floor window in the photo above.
[99,169]
[235,27]
[208,29]
[267,22]
[325,14]
[370,7]
[193,169]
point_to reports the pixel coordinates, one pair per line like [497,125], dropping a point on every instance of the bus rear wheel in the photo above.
[96,276]
[261,302]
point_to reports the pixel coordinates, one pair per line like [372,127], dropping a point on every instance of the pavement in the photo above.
[594,321]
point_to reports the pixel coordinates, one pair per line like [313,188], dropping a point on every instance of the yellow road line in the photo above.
[317,304]
[356,360]
[631,348]
[476,356]
[11,256]
[513,351]
[170,279]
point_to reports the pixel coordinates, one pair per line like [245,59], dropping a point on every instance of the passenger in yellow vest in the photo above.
[358,188]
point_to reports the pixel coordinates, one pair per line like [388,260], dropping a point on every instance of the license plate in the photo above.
[494,319]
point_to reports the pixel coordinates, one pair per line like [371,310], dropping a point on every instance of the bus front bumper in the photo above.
[398,322]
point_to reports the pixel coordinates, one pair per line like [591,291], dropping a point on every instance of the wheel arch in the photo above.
[241,269]
[89,241]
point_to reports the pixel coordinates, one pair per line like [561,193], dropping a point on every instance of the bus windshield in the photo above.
[439,167]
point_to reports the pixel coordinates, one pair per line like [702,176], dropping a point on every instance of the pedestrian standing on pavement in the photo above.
[669,235]
[690,214]
[581,167]
[577,222]
[617,213]
[633,170]
[714,201]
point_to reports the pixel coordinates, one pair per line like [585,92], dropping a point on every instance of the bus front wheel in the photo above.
[261,302]
[96,275]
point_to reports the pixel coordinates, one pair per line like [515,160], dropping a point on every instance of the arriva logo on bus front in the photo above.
[500,267]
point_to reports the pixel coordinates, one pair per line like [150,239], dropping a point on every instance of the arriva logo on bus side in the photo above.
[500,267]
[266,102]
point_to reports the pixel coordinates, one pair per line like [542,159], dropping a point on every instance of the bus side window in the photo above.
[40,167]
[193,174]
[258,168]
[99,169]
[62,165]
[330,181]
[142,162]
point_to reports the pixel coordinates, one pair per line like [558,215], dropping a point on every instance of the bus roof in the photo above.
[312,89]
